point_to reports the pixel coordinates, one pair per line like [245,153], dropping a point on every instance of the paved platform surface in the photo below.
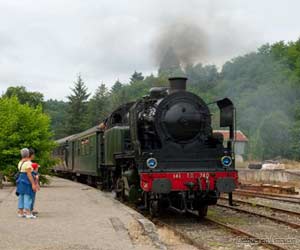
[72,216]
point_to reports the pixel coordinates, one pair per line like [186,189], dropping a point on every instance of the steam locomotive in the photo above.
[160,151]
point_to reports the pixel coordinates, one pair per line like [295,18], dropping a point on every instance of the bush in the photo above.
[23,126]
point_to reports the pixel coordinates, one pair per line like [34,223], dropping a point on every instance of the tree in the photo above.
[136,76]
[58,111]
[170,64]
[32,98]
[98,105]
[288,53]
[116,87]
[273,137]
[118,95]
[23,126]
[118,98]
[264,90]
[295,133]
[202,77]
[77,120]
[296,141]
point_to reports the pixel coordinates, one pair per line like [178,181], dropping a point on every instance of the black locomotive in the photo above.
[160,150]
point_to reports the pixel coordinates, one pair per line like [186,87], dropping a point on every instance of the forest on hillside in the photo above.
[264,85]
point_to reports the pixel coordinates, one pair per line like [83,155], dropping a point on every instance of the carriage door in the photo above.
[100,151]
[73,154]
[66,149]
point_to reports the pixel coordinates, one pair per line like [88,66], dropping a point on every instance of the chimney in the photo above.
[177,84]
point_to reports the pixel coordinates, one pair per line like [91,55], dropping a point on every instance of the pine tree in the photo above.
[77,121]
[98,105]
[116,87]
[136,76]
[170,64]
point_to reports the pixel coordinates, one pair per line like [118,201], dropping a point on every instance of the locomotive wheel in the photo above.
[202,211]
[154,208]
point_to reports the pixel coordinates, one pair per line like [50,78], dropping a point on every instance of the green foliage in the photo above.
[264,90]
[295,133]
[288,53]
[273,137]
[23,126]
[57,110]
[116,87]
[9,172]
[136,76]
[98,107]
[123,93]
[202,77]
[32,98]
[77,109]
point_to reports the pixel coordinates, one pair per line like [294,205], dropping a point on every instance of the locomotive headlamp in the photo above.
[151,163]
[226,161]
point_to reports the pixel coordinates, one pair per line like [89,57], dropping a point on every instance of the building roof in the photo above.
[239,135]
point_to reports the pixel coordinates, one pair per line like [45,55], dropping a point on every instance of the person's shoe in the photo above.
[35,212]
[21,215]
[30,216]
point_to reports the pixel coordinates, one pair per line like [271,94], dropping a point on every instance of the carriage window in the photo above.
[116,118]
[84,145]
[91,145]
[78,148]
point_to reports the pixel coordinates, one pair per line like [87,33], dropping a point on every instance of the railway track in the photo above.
[253,238]
[172,225]
[269,196]
[275,209]
[248,234]
[249,237]
[273,218]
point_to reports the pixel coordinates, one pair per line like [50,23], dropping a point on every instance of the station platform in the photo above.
[72,216]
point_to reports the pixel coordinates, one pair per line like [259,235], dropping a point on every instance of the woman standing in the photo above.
[25,185]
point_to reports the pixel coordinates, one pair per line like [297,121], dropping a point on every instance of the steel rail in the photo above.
[268,193]
[275,209]
[242,232]
[291,224]
[294,200]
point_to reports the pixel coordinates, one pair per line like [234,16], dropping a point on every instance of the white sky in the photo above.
[45,44]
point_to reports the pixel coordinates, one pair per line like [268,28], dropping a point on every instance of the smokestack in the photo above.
[177,84]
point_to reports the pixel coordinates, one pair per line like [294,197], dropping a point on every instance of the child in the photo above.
[35,175]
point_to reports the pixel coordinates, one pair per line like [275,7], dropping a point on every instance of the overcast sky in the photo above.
[45,44]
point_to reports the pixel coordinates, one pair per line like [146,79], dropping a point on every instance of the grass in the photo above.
[213,214]
[215,244]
